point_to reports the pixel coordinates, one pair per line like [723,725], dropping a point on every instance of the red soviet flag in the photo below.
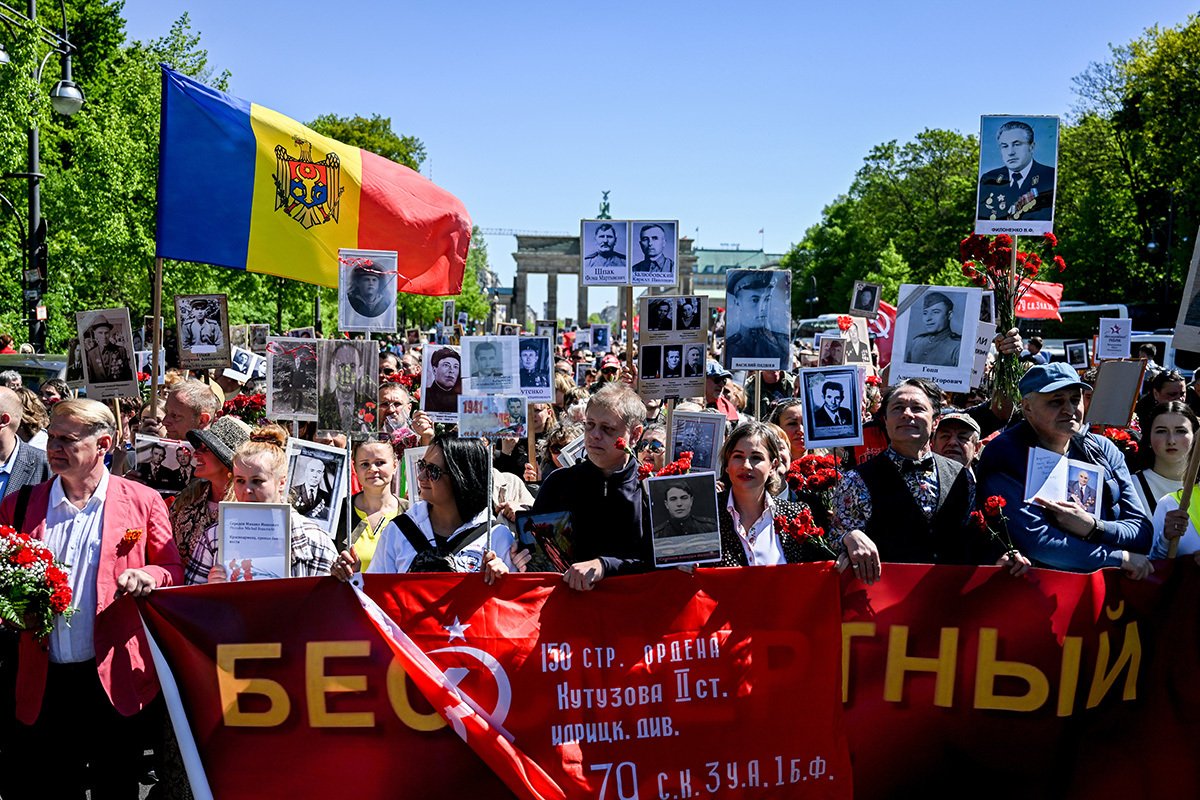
[882,327]
[1041,301]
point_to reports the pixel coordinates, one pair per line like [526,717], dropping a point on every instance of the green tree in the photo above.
[375,134]
[889,272]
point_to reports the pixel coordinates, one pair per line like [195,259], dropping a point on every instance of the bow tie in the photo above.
[923,465]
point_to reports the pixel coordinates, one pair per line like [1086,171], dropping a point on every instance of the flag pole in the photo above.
[156,336]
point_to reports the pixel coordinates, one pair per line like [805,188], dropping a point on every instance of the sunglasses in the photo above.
[432,471]
[653,445]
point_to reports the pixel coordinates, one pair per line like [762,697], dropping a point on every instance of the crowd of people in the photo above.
[950,470]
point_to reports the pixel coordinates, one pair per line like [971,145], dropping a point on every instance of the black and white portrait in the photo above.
[832,350]
[832,406]
[1077,354]
[600,338]
[758,319]
[366,290]
[348,386]
[291,378]
[857,341]
[935,329]
[108,357]
[239,336]
[1017,161]
[672,366]
[316,482]
[693,361]
[75,377]
[257,337]
[987,307]
[441,382]
[650,357]
[700,433]
[864,299]
[308,332]
[655,253]
[582,340]
[203,324]
[687,314]
[412,336]
[241,364]
[604,250]
[935,335]
[158,464]
[447,315]
[661,315]
[490,364]
[547,328]
[537,379]
[683,519]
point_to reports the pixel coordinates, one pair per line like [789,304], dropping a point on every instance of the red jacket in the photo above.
[122,652]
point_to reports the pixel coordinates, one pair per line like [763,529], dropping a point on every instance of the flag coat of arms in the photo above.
[245,187]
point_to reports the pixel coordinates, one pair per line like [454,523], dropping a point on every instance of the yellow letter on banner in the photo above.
[232,687]
[319,685]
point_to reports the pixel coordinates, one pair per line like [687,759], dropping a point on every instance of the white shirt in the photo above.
[39,440]
[395,554]
[760,544]
[1159,487]
[73,535]
[6,467]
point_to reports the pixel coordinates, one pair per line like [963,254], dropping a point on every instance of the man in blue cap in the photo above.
[1062,534]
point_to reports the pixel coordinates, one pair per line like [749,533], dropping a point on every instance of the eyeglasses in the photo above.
[653,445]
[432,471]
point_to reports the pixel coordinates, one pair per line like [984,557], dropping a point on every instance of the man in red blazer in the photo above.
[82,695]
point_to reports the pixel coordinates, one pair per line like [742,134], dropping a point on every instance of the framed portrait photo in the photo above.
[317,481]
[164,465]
[864,299]
[257,335]
[536,377]
[291,378]
[604,252]
[547,328]
[758,319]
[492,415]
[857,342]
[683,519]
[573,451]
[490,365]
[447,314]
[254,541]
[700,433]
[655,252]
[203,331]
[107,353]
[832,406]
[367,290]
[348,386]
[935,335]
[600,338]
[1077,353]
[1018,157]
[441,382]
[831,351]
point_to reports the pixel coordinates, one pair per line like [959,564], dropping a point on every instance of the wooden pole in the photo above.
[531,441]
[156,299]
[758,391]
[629,329]
[670,401]
[1185,499]
[116,401]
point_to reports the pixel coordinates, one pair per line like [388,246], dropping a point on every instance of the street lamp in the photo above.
[66,98]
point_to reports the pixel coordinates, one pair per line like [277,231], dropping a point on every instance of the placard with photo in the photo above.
[143,364]
[347,386]
[1115,337]
[308,332]
[291,378]
[581,370]
[203,331]
[1053,476]
[832,406]
[547,328]
[254,541]
[552,533]
[257,335]
[367,290]
[317,481]
[673,352]
[864,299]
[490,364]
[158,463]
[537,368]
[462,318]
[700,433]
[107,356]
[654,251]
[1077,353]
[582,340]
[447,314]
[1018,157]
[604,251]
[573,451]
[411,456]
[412,337]
[857,340]
[492,415]
[239,336]
[241,364]
[683,519]
[75,376]
[831,351]
[758,319]
[441,379]
[935,335]
[600,338]
[987,307]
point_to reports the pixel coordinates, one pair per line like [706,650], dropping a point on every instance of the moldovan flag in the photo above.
[245,187]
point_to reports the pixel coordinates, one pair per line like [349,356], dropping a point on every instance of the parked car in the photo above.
[35,369]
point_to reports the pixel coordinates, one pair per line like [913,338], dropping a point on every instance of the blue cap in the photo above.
[715,370]
[1046,378]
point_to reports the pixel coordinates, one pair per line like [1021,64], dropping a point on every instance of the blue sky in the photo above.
[730,118]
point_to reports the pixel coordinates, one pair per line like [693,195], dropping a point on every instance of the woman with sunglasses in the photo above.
[259,476]
[652,447]
[447,530]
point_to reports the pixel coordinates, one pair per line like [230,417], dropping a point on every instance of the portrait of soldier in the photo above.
[940,344]
[681,520]
[108,361]
[1021,189]
[533,366]
[485,360]
[604,252]
[864,298]
[310,494]
[655,245]
[662,315]
[750,297]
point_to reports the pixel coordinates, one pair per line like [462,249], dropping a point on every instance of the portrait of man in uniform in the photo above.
[756,330]
[108,356]
[865,301]
[932,339]
[679,502]
[605,250]
[1023,188]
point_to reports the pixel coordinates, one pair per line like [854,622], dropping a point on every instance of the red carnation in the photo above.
[1058,262]
[1050,239]
[621,443]
[1004,240]
[977,520]
[993,507]
[845,322]
[24,557]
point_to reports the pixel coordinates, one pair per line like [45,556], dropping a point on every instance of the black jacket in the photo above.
[607,514]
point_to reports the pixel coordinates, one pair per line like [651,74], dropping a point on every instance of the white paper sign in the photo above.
[983,345]
[1114,338]
[1051,476]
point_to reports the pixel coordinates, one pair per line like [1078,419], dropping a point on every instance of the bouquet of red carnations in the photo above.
[34,588]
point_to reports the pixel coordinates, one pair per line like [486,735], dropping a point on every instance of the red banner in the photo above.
[669,685]
[1041,301]
[957,679]
[883,326]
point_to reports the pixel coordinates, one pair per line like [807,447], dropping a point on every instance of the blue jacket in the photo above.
[1123,522]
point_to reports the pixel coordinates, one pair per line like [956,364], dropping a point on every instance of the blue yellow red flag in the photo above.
[245,187]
